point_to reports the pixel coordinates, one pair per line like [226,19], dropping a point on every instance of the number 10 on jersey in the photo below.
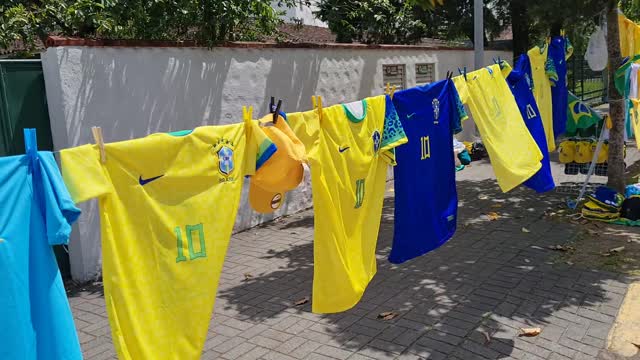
[190,230]
[426,147]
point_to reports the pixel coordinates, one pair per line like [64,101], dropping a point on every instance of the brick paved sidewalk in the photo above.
[466,300]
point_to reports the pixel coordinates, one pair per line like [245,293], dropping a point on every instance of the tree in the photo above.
[616,166]
[372,21]
[404,22]
[208,22]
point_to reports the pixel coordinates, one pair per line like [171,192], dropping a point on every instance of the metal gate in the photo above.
[23,104]
[588,85]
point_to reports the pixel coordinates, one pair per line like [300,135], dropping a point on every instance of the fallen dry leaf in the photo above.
[525,230]
[387,315]
[496,206]
[302,301]
[617,250]
[493,216]
[530,331]
[483,197]
[248,276]
[487,337]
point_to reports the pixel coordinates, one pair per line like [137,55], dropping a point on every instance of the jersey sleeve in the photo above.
[306,126]
[462,115]
[568,48]
[392,134]
[461,87]
[83,173]
[551,71]
[259,147]
[59,209]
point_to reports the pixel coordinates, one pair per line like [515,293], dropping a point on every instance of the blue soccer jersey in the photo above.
[426,201]
[560,50]
[36,212]
[520,85]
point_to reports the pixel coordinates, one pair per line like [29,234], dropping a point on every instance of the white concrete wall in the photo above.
[132,92]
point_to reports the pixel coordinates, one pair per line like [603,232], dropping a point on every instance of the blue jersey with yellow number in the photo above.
[521,88]
[426,200]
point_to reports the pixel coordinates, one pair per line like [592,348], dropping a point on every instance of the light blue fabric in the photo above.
[630,190]
[36,212]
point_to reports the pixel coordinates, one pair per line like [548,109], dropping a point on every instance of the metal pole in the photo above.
[478,33]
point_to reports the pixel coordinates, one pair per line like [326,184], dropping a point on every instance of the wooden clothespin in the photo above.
[316,100]
[99,139]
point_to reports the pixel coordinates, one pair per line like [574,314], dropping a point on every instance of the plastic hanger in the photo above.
[463,72]
[30,141]
[99,139]
[275,109]
[247,113]
[390,90]
[316,100]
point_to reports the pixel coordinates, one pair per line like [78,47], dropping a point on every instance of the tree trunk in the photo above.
[616,104]
[519,27]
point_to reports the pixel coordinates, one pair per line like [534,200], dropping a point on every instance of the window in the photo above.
[425,74]
[394,75]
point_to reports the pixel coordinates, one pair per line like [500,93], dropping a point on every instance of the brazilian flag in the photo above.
[581,119]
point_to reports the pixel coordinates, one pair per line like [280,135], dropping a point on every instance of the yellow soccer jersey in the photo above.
[168,203]
[513,152]
[348,151]
[542,91]
[635,120]
[629,36]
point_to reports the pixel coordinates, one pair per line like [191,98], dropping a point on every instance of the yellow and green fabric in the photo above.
[349,150]
[168,203]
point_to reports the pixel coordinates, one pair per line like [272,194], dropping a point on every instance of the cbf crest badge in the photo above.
[225,160]
[376,141]
[436,110]
[224,153]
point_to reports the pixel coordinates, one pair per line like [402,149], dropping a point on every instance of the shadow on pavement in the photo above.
[466,300]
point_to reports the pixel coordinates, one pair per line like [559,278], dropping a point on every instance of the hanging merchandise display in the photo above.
[596,54]
[425,204]
[166,218]
[36,213]
[629,36]
[623,82]
[521,88]
[349,147]
[581,119]
[560,50]
[513,152]
[282,172]
[541,69]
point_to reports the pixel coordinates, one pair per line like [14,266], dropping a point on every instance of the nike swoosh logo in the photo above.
[144,182]
[344,149]
[410,116]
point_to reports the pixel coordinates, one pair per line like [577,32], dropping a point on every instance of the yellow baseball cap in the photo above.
[282,172]
[567,151]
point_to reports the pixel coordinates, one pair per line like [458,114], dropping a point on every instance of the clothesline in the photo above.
[168,204]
